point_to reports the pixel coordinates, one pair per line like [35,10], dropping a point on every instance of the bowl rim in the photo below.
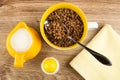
[58,6]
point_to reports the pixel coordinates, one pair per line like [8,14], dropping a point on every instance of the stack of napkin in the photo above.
[106,42]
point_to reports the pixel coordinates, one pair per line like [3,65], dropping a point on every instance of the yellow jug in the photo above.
[23,48]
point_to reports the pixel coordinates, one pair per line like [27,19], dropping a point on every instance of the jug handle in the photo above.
[19,60]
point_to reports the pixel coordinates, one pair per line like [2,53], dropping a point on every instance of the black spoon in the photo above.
[101,58]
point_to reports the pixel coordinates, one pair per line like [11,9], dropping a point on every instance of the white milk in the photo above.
[21,40]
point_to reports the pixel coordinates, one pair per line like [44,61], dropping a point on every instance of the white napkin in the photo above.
[106,42]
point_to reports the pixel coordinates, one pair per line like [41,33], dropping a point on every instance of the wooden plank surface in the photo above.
[30,11]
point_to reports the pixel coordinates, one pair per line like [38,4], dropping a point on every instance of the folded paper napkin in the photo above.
[106,42]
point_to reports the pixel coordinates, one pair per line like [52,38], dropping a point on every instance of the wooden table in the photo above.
[30,11]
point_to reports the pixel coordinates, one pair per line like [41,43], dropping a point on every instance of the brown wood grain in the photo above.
[30,11]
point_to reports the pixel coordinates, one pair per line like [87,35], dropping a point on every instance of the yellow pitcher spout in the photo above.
[19,60]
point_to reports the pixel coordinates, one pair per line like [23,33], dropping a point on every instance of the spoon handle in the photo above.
[101,58]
